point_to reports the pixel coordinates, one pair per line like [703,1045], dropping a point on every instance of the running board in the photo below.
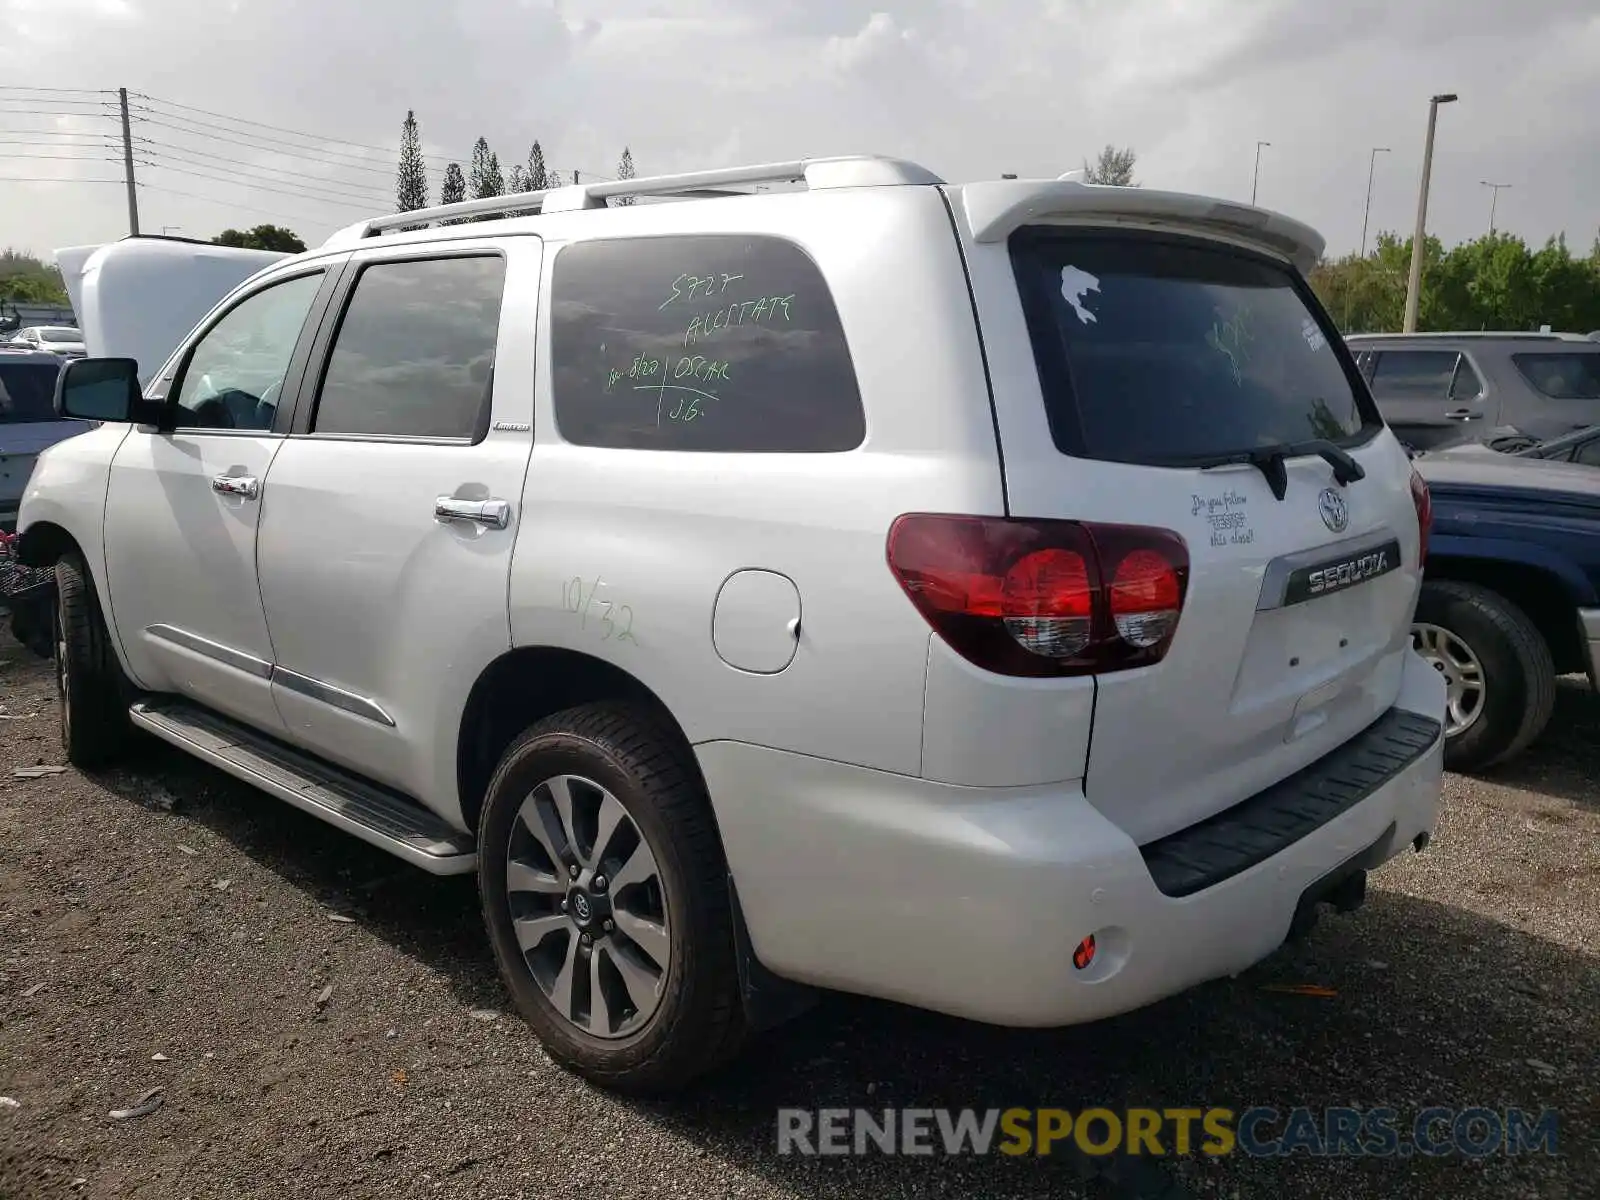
[372,813]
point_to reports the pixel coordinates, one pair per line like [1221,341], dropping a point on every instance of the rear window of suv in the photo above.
[1156,349]
[1567,376]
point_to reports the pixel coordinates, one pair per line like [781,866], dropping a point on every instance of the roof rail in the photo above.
[817,174]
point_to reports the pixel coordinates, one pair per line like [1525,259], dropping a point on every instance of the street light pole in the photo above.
[1256,178]
[1494,199]
[1414,287]
[1372,165]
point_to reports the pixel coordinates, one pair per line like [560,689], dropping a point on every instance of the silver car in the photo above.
[1435,389]
[28,421]
[62,340]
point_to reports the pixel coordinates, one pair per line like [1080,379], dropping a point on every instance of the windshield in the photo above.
[60,333]
[1156,349]
[27,392]
[1573,375]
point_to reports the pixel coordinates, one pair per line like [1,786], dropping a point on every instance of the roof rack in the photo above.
[817,174]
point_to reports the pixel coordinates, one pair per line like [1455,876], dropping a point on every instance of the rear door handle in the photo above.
[1464,414]
[494,513]
[247,486]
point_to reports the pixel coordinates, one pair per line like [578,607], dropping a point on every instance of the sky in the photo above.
[250,111]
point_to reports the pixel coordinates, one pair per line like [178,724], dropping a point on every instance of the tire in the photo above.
[1518,675]
[697,1022]
[92,693]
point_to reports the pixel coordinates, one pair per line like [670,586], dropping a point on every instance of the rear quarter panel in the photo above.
[645,539]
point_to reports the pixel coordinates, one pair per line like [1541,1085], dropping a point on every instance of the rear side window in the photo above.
[707,342]
[1574,376]
[1159,350]
[414,354]
[1415,374]
[27,393]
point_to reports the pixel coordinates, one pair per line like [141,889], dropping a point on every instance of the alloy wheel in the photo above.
[588,906]
[1465,687]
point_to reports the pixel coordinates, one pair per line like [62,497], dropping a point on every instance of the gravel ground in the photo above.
[325,1021]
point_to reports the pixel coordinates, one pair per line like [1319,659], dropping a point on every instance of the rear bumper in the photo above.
[971,900]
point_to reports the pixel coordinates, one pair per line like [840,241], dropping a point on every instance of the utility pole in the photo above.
[1256,179]
[127,166]
[1367,212]
[1414,286]
[1493,200]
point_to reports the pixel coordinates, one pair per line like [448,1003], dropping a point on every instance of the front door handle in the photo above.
[247,486]
[1464,414]
[494,513]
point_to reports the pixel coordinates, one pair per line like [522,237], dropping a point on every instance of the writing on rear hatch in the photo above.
[1227,517]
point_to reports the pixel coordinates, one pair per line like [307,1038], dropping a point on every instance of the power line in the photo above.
[331,186]
[316,137]
[51,179]
[250,208]
[242,142]
[339,203]
[58,91]
[236,137]
[101,145]
[64,157]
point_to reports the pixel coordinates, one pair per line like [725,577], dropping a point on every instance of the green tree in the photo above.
[625,171]
[261,237]
[25,279]
[517,181]
[485,178]
[411,184]
[539,178]
[454,189]
[1114,167]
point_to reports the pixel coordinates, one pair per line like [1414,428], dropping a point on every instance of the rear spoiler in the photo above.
[996,210]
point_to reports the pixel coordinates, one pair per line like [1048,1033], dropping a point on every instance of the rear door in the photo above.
[1429,397]
[28,424]
[391,510]
[1144,352]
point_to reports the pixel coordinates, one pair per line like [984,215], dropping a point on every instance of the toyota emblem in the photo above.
[1335,514]
[580,905]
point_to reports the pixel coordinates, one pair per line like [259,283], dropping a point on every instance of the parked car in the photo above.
[1580,446]
[1439,388]
[1511,595]
[60,340]
[28,422]
[990,597]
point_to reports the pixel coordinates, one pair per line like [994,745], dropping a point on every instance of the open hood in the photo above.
[137,298]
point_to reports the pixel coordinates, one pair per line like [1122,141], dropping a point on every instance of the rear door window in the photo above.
[414,353]
[1414,374]
[1564,376]
[27,392]
[1466,385]
[1154,349]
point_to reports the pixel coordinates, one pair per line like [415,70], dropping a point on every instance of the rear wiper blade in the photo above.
[1272,462]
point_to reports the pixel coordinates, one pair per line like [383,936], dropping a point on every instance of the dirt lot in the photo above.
[166,927]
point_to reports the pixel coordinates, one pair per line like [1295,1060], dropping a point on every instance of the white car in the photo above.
[62,340]
[994,598]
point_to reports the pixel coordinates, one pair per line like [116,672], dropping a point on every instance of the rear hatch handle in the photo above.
[1272,461]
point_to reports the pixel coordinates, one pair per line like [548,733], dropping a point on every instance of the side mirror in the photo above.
[104,389]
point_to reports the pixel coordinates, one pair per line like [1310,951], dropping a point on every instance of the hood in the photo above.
[1471,467]
[138,298]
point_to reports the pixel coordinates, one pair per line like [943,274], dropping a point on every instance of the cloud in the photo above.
[972,88]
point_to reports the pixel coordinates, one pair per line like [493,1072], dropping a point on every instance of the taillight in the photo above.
[1424,502]
[1043,598]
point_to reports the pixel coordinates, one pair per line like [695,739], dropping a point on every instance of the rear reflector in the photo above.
[1032,598]
[1084,954]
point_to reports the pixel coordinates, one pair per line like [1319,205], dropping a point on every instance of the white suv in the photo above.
[990,597]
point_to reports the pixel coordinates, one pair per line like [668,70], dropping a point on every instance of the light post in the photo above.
[1494,199]
[1372,166]
[1414,287]
[1256,178]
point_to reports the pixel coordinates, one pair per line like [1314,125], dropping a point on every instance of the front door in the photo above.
[183,508]
[394,505]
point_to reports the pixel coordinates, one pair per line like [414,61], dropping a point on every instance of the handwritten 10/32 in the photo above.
[661,376]
[579,599]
